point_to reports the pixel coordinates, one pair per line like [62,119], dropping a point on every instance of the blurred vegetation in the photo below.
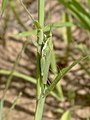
[75,15]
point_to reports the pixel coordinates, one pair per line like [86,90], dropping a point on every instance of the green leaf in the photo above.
[25,34]
[4,2]
[19,75]
[47,28]
[58,25]
[79,12]
[66,116]
[61,74]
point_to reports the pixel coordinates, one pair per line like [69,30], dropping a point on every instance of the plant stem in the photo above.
[1,109]
[40,99]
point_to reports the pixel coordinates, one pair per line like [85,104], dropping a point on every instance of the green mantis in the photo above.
[45,47]
[46,52]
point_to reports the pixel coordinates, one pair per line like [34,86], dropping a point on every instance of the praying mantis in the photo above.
[46,51]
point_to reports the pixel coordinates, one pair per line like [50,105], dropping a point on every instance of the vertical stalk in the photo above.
[1,109]
[67,36]
[40,99]
[39,40]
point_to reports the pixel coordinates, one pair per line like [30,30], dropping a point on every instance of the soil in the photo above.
[76,84]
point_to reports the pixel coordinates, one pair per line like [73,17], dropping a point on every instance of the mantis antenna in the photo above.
[29,14]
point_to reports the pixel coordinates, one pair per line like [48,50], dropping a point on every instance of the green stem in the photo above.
[1,109]
[39,108]
[40,99]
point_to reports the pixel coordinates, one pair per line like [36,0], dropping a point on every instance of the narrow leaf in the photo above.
[4,2]
[25,34]
[61,74]
[19,75]
[83,16]
[66,116]
[57,25]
